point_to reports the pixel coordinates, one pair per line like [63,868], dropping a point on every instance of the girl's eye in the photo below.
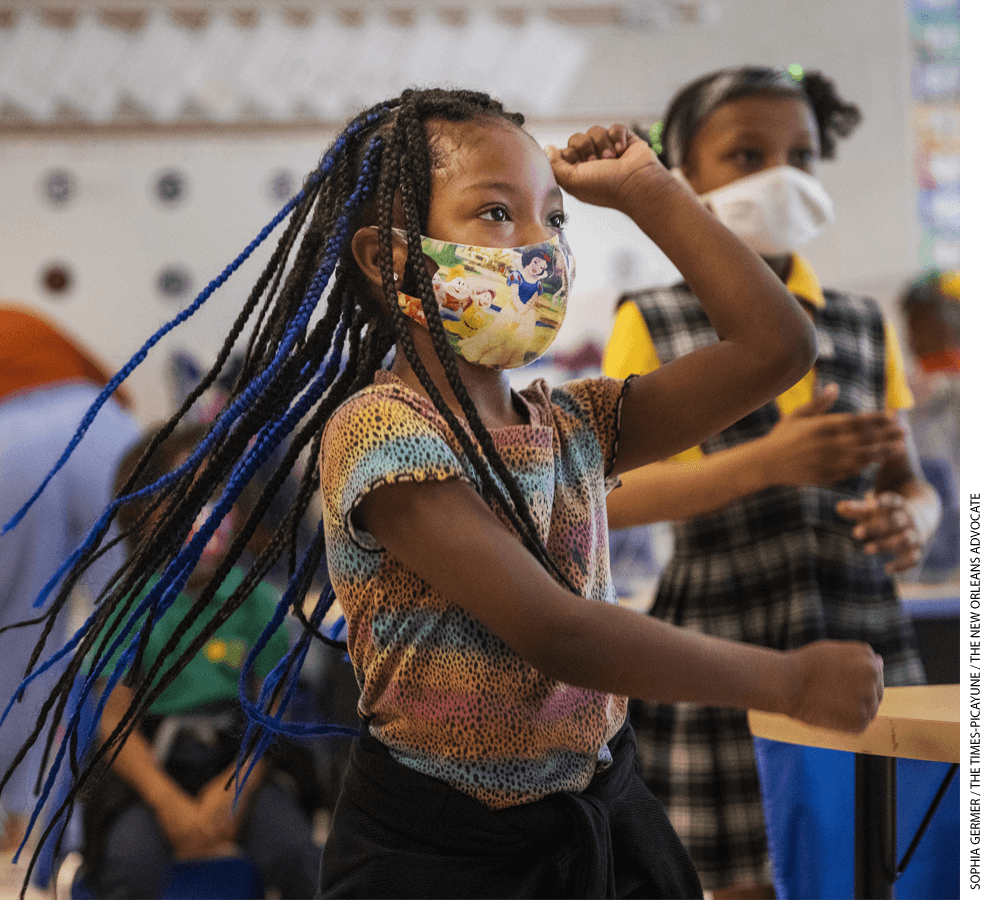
[496,214]
[557,220]
[804,158]
[747,157]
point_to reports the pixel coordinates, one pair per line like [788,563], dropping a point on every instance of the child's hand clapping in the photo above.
[812,446]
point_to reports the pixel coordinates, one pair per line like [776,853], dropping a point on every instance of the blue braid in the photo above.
[176,573]
[294,658]
[122,665]
[294,334]
[95,673]
[263,728]
[104,520]
[324,377]
[326,165]
[139,357]
[270,437]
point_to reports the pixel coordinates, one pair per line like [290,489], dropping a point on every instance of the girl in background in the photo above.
[47,382]
[165,796]
[465,523]
[790,522]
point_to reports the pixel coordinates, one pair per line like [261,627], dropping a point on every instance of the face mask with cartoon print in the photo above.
[501,308]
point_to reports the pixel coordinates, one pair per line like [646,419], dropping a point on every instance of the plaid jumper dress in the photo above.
[778,568]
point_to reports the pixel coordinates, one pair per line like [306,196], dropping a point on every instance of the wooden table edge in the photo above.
[930,732]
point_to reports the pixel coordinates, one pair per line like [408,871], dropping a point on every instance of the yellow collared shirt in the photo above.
[630,350]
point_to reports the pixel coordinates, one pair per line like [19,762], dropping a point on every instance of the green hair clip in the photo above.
[796,72]
[655,130]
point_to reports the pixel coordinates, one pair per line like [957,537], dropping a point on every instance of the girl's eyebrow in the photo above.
[747,135]
[509,187]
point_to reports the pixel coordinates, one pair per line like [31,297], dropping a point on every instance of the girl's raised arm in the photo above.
[600,646]
[767,342]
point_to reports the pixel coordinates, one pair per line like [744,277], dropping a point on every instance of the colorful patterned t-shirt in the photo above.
[441,691]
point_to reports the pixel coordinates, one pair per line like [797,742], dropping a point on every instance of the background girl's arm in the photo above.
[808,446]
[766,341]
[446,534]
[194,826]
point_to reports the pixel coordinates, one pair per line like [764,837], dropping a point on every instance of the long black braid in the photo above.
[298,367]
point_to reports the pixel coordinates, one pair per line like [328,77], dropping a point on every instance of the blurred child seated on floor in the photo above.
[166,796]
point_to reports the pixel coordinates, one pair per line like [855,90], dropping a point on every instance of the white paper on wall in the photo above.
[31,64]
[265,73]
[153,78]
[210,76]
[88,74]
[318,77]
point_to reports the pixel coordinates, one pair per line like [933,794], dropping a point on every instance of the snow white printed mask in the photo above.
[501,308]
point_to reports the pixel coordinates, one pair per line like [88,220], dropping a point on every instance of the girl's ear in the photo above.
[367,254]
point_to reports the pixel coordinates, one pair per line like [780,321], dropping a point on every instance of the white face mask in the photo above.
[774,211]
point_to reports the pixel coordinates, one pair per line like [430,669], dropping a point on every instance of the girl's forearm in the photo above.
[136,763]
[613,649]
[832,684]
[674,490]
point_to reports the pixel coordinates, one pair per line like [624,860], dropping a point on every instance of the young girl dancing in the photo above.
[465,523]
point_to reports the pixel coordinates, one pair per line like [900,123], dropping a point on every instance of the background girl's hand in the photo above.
[886,524]
[813,446]
[189,829]
[602,166]
[216,803]
[836,684]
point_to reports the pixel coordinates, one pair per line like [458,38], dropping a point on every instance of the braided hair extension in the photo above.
[298,367]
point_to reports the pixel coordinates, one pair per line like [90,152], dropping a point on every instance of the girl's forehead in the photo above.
[761,111]
[487,148]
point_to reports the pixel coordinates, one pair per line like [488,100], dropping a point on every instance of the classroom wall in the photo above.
[116,236]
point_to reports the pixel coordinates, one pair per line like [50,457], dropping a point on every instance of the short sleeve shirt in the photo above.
[442,692]
[212,675]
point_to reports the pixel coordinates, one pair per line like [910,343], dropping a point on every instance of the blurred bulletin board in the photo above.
[934,26]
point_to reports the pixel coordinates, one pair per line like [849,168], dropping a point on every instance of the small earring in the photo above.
[395,276]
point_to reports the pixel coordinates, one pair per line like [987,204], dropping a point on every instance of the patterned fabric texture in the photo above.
[778,568]
[444,694]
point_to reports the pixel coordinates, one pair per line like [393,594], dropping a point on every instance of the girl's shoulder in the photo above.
[571,394]
[383,424]
[589,406]
[386,396]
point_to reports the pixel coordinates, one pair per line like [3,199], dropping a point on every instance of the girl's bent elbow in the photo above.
[798,354]
[806,352]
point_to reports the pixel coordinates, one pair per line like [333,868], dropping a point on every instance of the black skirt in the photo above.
[399,833]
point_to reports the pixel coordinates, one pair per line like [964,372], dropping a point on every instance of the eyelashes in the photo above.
[500,214]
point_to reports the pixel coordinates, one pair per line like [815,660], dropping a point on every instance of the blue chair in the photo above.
[234,877]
